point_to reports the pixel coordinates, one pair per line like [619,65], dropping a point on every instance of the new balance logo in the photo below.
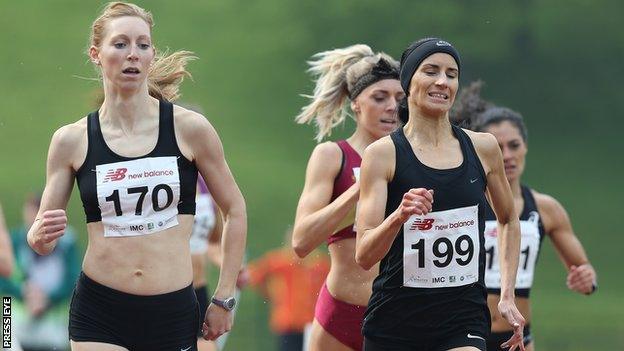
[115,175]
[422,224]
[492,232]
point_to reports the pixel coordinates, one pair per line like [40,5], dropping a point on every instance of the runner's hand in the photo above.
[217,322]
[415,202]
[50,226]
[509,311]
[581,278]
[243,278]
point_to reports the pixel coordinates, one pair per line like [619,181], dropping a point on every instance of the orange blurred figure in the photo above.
[291,284]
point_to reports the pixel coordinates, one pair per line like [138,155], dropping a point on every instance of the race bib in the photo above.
[441,249]
[356,174]
[138,197]
[203,224]
[529,247]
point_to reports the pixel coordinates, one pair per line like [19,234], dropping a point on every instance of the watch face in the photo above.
[230,303]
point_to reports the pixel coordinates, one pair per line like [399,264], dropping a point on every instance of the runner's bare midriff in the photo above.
[150,264]
[347,281]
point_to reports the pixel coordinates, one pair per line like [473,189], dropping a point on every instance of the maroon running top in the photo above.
[350,168]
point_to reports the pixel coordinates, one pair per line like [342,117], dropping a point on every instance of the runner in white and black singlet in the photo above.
[136,161]
[204,242]
[540,215]
[422,214]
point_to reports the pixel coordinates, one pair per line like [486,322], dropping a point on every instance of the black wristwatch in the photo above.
[227,304]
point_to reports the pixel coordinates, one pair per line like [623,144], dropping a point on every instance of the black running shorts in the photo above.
[139,323]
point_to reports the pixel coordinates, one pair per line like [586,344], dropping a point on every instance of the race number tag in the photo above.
[356,174]
[529,247]
[204,223]
[441,249]
[138,197]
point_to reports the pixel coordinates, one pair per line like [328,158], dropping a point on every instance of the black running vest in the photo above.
[98,154]
[405,314]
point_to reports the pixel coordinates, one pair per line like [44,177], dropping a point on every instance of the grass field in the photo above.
[249,75]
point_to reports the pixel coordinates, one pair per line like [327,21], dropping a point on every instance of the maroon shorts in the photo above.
[341,320]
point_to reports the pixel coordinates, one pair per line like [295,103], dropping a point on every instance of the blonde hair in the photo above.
[336,72]
[167,70]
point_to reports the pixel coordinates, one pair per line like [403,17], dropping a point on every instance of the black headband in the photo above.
[382,70]
[419,54]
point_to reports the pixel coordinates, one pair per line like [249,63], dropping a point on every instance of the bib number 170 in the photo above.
[142,191]
[444,250]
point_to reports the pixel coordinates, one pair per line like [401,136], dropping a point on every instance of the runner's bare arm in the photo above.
[501,199]
[581,274]
[317,216]
[51,219]
[207,152]
[374,233]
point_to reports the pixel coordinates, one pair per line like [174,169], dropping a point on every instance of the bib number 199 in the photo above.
[444,250]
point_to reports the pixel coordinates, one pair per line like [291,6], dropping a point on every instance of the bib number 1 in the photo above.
[529,248]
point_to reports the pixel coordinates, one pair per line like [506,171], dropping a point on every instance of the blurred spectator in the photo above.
[291,285]
[42,286]
[7,262]
[6,254]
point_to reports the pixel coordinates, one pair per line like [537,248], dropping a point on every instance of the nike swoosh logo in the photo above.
[470,336]
[186,349]
[473,180]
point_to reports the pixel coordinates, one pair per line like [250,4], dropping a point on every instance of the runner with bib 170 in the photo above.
[136,161]
[422,214]
[540,215]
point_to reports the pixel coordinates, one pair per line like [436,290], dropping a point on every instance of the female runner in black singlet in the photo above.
[136,161]
[540,215]
[421,213]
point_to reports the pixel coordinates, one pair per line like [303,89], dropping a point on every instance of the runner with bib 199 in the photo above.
[422,214]
[540,215]
[136,161]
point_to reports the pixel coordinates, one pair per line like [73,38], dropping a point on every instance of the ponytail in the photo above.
[167,73]
[337,73]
